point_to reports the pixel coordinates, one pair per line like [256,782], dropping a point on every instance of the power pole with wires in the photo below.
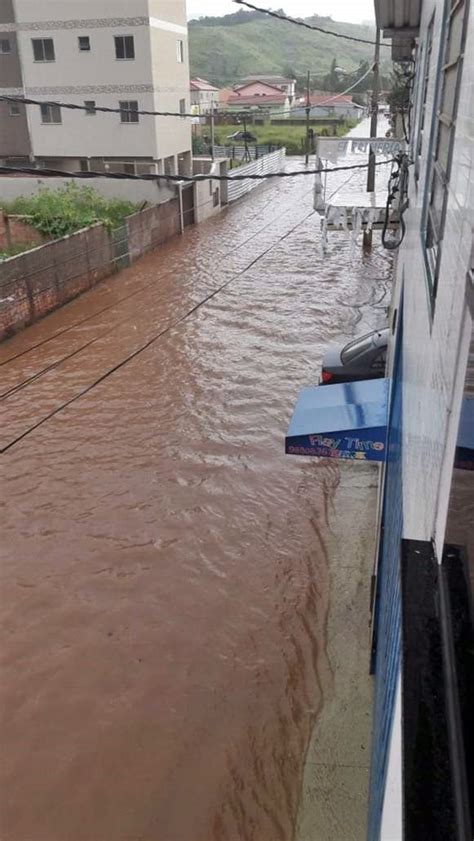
[308,113]
[374,108]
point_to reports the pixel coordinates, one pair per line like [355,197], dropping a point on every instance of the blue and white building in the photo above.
[422,768]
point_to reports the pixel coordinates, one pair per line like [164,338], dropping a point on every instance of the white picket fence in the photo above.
[274,162]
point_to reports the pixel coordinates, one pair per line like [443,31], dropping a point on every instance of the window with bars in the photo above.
[43,49]
[421,130]
[50,114]
[129,111]
[444,129]
[124,47]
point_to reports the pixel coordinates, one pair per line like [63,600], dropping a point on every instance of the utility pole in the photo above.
[308,112]
[374,108]
[212,135]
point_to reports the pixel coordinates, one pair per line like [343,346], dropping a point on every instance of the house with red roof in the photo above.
[333,105]
[257,96]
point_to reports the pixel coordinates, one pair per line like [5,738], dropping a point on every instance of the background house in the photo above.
[204,96]
[329,105]
[259,96]
[97,54]
[281,82]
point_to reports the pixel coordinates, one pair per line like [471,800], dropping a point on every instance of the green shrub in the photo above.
[56,213]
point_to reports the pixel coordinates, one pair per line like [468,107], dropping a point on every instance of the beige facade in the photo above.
[14,136]
[108,53]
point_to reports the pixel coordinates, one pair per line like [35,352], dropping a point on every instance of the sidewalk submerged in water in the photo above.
[333,803]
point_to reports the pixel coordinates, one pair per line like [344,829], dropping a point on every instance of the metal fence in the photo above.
[274,162]
[237,153]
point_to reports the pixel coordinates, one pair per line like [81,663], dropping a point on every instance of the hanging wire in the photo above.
[186,179]
[303,23]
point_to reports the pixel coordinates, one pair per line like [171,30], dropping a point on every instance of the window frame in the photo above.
[8,51]
[90,106]
[438,175]
[51,109]
[180,51]
[182,106]
[43,41]
[126,111]
[14,105]
[123,39]
[82,49]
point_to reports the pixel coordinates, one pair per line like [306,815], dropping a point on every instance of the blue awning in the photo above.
[346,421]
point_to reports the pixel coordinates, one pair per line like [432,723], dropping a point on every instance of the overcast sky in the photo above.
[354,11]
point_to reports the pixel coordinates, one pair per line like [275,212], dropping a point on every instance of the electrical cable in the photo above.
[152,340]
[303,23]
[186,179]
[330,99]
[142,288]
[397,188]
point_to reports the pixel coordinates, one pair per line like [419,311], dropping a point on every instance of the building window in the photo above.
[423,95]
[43,49]
[124,47]
[182,106]
[129,169]
[180,51]
[84,165]
[5,46]
[50,113]
[90,108]
[14,109]
[129,111]
[84,43]
[442,140]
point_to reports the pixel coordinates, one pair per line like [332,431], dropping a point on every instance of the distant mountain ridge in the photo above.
[225,49]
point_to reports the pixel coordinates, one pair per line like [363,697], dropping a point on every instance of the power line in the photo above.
[187,179]
[72,106]
[152,340]
[330,99]
[222,256]
[303,23]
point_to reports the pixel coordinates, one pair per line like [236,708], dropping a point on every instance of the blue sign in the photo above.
[343,421]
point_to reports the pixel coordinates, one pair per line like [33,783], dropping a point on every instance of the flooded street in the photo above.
[164,590]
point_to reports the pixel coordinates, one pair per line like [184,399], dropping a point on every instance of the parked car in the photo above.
[242,136]
[363,358]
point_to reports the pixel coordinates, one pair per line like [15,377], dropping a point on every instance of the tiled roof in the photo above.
[201,85]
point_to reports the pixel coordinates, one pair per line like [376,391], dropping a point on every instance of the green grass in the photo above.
[292,137]
[56,213]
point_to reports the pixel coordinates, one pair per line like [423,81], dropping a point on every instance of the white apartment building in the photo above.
[127,54]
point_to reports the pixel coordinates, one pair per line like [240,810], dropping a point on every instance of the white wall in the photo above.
[391,826]
[436,348]
[134,191]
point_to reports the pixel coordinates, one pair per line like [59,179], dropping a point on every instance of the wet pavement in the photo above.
[165,579]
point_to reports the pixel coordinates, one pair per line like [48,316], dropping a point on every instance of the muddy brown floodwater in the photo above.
[164,586]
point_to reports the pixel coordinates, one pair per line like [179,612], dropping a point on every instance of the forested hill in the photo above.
[224,49]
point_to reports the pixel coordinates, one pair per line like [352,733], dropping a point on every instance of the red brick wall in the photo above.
[20,232]
[38,281]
